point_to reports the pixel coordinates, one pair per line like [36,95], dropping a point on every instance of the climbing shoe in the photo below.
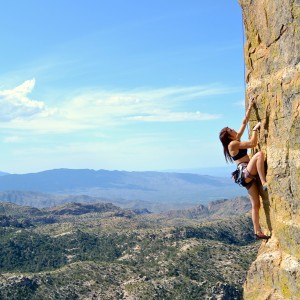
[262,236]
[265,187]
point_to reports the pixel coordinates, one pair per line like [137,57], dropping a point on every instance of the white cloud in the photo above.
[175,117]
[15,104]
[142,105]
[100,109]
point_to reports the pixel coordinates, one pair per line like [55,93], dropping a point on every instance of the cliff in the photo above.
[272,48]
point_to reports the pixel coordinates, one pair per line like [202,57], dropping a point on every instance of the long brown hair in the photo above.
[225,140]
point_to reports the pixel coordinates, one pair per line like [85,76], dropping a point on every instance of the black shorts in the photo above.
[242,167]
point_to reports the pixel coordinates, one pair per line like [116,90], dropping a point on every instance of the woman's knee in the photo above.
[255,205]
[260,155]
[254,197]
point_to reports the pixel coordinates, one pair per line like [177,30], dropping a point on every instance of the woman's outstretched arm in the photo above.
[252,142]
[245,120]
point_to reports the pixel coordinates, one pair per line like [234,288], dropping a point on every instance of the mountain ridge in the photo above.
[151,186]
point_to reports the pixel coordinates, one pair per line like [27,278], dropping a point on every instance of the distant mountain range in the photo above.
[212,171]
[118,187]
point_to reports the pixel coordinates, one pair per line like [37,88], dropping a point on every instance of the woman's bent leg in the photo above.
[257,165]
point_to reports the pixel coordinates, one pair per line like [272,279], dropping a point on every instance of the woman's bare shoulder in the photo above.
[234,145]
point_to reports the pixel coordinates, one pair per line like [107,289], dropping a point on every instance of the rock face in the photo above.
[272,50]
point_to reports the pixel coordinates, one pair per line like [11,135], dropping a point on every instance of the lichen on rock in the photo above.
[272,48]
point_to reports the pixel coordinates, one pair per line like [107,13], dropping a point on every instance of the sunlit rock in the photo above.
[272,57]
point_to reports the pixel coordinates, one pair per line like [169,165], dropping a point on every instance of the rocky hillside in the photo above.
[272,50]
[100,251]
[215,209]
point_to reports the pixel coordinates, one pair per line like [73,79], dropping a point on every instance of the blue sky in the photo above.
[118,85]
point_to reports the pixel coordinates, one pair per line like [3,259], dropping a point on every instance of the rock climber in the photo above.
[236,151]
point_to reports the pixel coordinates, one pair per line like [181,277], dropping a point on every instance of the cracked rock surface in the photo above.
[272,57]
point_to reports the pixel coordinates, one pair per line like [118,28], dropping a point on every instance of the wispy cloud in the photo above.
[240,103]
[141,105]
[102,109]
[12,139]
[174,117]
[15,103]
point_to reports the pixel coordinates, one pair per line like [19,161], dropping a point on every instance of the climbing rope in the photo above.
[244,66]
[252,151]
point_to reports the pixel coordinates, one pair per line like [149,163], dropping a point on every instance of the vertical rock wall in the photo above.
[272,57]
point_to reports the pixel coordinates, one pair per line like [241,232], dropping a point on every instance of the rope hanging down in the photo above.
[245,87]
[245,92]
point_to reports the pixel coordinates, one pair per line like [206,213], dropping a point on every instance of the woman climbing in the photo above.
[236,151]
